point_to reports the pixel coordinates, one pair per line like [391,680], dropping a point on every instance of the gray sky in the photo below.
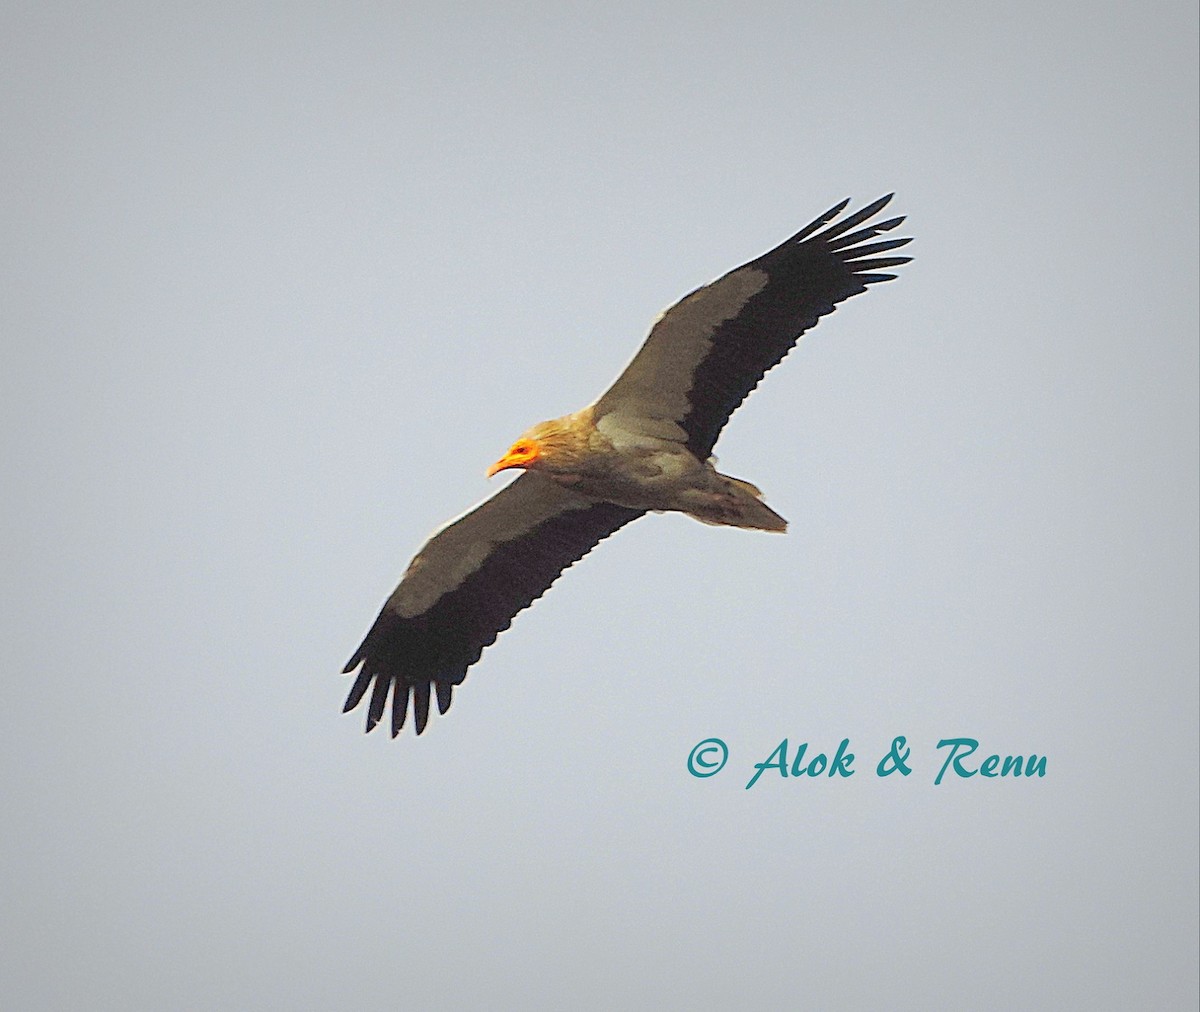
[280,283]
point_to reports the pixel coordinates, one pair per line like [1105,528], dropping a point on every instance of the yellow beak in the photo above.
[503,464]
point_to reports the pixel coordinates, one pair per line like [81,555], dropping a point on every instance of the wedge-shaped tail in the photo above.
[738,504]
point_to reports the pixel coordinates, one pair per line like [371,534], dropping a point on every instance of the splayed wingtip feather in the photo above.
[379,696]
[357,691]
[399,709]
[420,694]
[856,219]
[821,221]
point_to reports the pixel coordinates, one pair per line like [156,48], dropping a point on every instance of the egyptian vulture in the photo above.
[645,444]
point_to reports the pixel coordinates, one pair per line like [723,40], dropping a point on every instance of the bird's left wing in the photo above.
[465,586]
[709,350]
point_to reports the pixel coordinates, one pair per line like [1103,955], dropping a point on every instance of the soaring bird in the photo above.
[645,444]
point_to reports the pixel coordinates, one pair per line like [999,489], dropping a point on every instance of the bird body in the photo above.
[619,461]
[644,445]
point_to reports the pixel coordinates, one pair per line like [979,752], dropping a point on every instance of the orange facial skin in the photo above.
[521,454]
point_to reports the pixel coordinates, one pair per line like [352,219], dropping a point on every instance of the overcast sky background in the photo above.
[279,281]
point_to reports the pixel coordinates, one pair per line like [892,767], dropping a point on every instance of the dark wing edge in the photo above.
[807,276]
[428,654]
[710,349]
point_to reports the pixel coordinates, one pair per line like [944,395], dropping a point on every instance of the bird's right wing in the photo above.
[465,586]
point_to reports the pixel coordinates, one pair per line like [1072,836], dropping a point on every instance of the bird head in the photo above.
[552,446]
[525,452]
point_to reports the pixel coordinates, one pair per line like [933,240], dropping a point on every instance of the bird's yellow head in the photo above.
[554,446]
[523,453]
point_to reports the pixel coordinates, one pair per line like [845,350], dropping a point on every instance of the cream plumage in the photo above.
[644,445]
